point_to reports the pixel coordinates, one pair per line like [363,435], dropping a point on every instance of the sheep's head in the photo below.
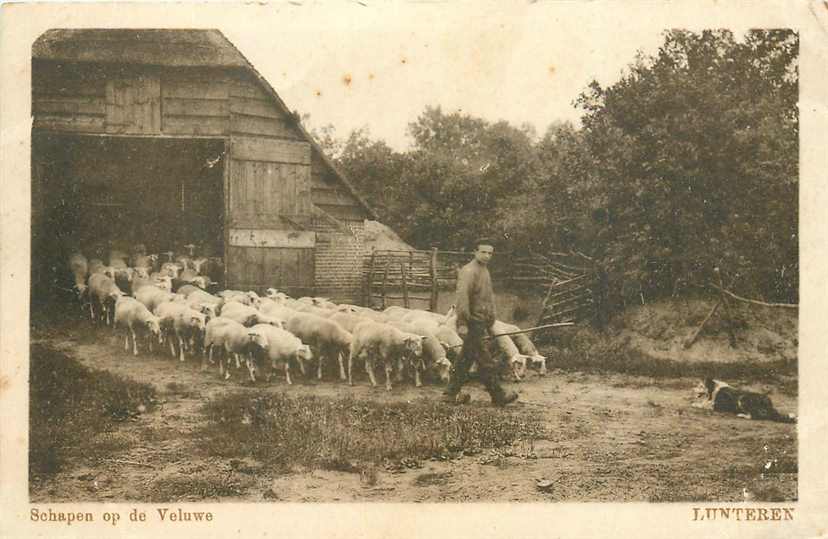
[518,364]
[258,338]
[154,327]
[197,321]
[538,363]
[80,290]
[208,310]
[413,345]
[304,353]
[443,369]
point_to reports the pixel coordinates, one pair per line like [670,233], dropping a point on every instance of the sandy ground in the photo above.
[615,438]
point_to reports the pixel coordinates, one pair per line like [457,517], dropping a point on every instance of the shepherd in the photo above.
[475,317]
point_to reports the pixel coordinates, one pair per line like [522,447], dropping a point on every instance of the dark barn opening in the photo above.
[171,137]
[95,193]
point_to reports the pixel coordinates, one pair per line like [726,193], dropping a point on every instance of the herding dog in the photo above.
[720,397]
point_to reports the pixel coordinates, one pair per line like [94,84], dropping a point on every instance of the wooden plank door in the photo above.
[268,187]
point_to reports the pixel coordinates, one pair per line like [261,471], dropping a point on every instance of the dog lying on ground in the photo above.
[720,397]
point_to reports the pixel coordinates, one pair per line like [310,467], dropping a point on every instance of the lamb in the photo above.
[281,347]
[432,358]
[195,293]
[161,280]
[347,320]
[524,344]
[276,310]
[118,259]
[372,339]
[395,312]
[145,261]
[232,337]
[417,314]
[515,360]
[327,337]
[103,293]
[79,267]
[152,297]
[450,340]
[131,314]
[247,315]
[170,269]
[180,320]
[198,263]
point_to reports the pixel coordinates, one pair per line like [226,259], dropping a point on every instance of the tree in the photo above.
[696,149]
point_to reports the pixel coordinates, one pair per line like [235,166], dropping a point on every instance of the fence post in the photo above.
[367,299]
[434,281]
[384,280]
[404,276]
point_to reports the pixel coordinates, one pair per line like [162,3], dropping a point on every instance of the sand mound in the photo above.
[380,236]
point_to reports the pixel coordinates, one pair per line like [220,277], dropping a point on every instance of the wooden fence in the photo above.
[405,275]
[568,281]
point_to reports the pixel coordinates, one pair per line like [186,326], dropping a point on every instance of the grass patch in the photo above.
[432,478]
[347,434]
[605,357]
[171,489]
[71,406]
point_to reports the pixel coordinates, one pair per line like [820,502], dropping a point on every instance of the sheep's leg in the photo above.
[250,368]
[287,373]
[180,347]
[369,366]
[126,341]
[417,379]
[398,376]
[516,372]
[388,368]
[134,342]
[350,367]
[341,366]
[172,346]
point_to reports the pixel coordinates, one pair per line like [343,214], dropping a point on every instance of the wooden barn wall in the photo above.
[258,268]
[329,194]
[65,98]
[147,100]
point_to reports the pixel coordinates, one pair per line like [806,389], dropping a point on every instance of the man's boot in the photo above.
[504,398]
[500,397]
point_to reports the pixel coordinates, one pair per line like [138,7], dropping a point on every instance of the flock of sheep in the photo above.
[168,302]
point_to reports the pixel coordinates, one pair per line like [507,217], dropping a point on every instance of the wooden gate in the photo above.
[268,183]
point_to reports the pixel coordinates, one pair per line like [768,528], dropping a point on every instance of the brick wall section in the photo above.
[339,259]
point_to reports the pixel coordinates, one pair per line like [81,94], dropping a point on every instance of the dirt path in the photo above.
[615,438]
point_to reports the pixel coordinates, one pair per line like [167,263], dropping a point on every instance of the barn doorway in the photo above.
[94,193]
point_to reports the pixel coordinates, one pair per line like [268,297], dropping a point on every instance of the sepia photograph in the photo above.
[571,311]
[414,254]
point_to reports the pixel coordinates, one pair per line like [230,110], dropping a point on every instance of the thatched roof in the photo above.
[178,48]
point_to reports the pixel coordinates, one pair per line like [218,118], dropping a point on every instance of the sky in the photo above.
[379,65]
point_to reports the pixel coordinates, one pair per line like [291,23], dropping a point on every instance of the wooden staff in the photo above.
[527,330]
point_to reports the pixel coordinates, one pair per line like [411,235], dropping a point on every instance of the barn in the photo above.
[170,138]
